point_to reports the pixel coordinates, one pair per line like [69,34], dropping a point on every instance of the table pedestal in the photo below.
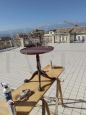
[39,72]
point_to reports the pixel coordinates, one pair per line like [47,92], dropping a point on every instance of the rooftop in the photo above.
[15,67]
[72,30]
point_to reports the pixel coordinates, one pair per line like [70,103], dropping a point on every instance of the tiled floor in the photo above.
[15,67]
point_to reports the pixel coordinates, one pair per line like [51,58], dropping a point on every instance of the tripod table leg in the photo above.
[27,80]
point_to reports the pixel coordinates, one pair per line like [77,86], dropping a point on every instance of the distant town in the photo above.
[42,37]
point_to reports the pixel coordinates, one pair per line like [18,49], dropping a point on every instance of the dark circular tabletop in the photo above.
[36,50]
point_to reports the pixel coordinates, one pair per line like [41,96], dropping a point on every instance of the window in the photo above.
[78,38]
[83,38]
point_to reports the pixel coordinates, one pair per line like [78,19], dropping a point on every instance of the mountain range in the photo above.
[12,33]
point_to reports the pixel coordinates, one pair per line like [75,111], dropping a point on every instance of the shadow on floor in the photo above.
[71,103]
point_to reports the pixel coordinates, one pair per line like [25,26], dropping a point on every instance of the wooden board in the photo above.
[25,107]
[3,108]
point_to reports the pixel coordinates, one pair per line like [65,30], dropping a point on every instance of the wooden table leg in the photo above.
[59,91]
[45,107]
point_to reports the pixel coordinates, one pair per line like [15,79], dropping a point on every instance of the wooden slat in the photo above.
[3,108]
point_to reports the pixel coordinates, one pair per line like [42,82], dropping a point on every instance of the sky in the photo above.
[15,14]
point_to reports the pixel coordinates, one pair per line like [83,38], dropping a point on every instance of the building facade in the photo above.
[66,35]
[6,42]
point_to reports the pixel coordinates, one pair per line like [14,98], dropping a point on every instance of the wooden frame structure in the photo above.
[24,107]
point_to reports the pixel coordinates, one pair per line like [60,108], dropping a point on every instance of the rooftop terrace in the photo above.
[15,67]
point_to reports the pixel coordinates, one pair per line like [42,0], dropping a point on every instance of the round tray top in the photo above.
[36,50]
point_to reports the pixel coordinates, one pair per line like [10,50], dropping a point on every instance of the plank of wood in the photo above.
[3,108]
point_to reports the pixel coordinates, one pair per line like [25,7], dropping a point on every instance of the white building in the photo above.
[57,36]
[66,35]
[49,37]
